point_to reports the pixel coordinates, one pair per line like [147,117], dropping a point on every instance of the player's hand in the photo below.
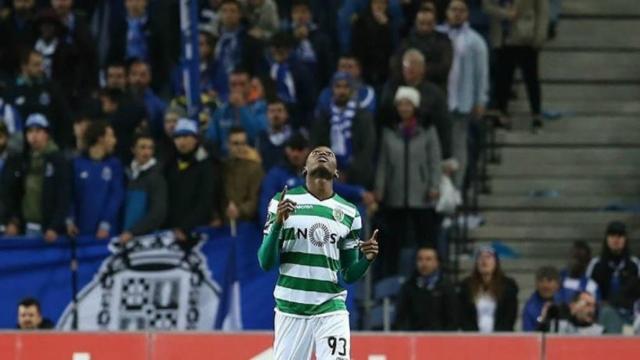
[232,211]
[285,207]
[370,247]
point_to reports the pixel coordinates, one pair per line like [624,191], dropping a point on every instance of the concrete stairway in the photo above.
[584,162]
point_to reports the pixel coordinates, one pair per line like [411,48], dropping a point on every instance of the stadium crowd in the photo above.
[95,137]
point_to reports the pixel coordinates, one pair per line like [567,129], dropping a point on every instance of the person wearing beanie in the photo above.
[407,180]
[194,183]
[615,271]
[488,298]
[36,187]
[349,131]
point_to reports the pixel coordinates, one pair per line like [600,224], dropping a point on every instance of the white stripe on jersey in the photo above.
[306,297]
[309,272]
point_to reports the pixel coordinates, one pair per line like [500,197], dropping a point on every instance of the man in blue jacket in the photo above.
[542,300]
[35,187]
[289,172]
[98,186]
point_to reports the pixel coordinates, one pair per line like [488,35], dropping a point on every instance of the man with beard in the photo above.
[140,87]
[314,233]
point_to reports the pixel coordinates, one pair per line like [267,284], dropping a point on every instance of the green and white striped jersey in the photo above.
[311,240]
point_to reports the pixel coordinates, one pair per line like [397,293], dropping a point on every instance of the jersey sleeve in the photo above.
[351,240]
[271,213]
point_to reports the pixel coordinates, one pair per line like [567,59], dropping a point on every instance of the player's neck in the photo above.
[319,187]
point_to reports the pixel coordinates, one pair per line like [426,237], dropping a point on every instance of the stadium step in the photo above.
[600,34]
[587,155]
[582,106]
[613,8]
[569,218]
[541,232]
[584,91]
[560,203]
[552,171]
[590,66]
[565,186]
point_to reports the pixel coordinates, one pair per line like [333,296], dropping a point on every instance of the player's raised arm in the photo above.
[353,268]
[269,250]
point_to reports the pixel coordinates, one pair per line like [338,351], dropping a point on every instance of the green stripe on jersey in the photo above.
[308,310]
[342,201]
[296,283]
[300,258]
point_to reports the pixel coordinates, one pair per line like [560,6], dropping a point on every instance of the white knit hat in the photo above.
[408,93]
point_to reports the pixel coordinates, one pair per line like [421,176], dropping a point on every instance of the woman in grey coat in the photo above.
[408,180]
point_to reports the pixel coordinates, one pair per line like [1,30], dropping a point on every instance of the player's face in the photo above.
[426,262]
[547,287]
[29,317]
[322,163]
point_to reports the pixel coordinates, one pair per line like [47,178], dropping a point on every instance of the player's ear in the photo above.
[304,171]
[336,175]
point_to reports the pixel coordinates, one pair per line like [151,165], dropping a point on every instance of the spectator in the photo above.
[468,84]
[125,123]
[290,172]
[263,17]
[98,188]
[433,104]
[36,186]
[574,280]
[242,176]
[407,180]
[79,36]
[374,39]
[518,31]
[18,30]
[142,35]
[166,149]
[488,298]
[294,83]
[235,48]
[145,207]
[349,131]
[30,316]
[116,76]
[237,112]
[577,318]
[11,121]
[314,47]
[80,124]
[271,142]
[547,285]
[4,145]
[208,85]
[140,87]
[614,271]
[193,180]
[434,46]
[363,94]
[427,301]
[32,93]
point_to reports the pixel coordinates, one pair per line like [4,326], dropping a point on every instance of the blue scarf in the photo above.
[341,142]
[136,40]
[285,86]
[226,50]
[428,281]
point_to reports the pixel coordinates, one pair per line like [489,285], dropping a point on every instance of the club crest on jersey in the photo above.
[338,214]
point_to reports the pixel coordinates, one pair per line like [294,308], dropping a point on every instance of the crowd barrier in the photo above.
[257,346]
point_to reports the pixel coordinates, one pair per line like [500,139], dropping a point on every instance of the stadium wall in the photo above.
[257,346]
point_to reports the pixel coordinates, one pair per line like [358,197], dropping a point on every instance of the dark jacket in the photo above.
[56,190]
[146,201]
[421,308]
[360,169]
[193,191]
[156,35]
[438,53]
[18,35]
[506,309]
[373,44]
[602,269]
[323,67]
[433,111]
[270,153]
[30,96]
[408,169]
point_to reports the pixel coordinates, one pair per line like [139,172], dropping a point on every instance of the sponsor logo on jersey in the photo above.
[318,234]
